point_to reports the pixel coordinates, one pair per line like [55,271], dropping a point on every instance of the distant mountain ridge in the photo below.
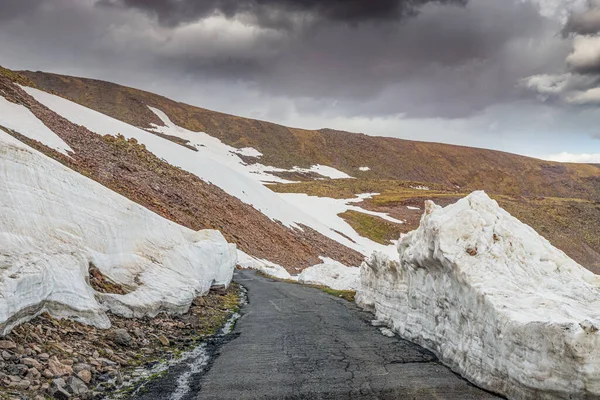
[387,158]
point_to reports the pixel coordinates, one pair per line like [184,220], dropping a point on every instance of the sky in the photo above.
[521,76]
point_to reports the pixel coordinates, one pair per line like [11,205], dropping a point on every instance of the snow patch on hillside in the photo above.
[248,152]
[332,274]
[55,223]
[493,299]
[364,169]
[327,211]
[18,118]
[324,170]
[267,267]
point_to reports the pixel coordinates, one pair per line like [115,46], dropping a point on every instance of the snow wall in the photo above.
[494,300]
[55,223]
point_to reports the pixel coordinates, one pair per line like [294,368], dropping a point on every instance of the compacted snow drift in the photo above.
[55,224]
[493,299]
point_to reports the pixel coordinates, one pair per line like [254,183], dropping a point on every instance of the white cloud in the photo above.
[586,54]
[591,96]
[575,158]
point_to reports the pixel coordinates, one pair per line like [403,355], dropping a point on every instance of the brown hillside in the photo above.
[388,158]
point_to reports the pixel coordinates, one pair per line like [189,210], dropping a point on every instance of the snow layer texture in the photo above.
[493,299]
[54,223]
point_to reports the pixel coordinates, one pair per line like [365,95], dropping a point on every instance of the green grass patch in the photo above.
[375,228]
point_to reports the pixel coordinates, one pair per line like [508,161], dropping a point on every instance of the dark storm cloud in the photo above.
[446,62]
[173,12]
[421,58]
[13,9]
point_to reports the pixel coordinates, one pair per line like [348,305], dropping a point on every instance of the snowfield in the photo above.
[493,299]
[55,223]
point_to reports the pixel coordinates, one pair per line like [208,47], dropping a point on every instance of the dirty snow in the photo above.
[493,299]
[18,118]
[55,222]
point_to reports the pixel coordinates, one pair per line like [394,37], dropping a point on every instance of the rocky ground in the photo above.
[48,358]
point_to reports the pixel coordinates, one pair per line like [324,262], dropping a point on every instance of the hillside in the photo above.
[128,168]
[387,158]
[559,200]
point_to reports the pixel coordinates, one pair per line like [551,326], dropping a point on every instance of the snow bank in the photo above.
[331,274]
[493,299]
[55,222]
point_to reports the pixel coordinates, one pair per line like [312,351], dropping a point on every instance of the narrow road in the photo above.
[296,342]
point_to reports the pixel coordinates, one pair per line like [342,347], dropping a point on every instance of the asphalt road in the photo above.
[296,342]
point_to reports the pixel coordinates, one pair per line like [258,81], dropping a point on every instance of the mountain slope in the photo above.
[386,158]
[128,168]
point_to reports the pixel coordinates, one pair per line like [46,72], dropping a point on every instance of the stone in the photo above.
[163,340]
[22,384]
[33,373]
[77,386]
[44,356]
[122,337]
[7,345]
[85,375]
[81,367]
[106,362]
[139,333]
[30,362]
[58,369]
[7,356]
[57,389]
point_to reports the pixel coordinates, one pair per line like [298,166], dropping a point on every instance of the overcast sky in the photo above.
[515,75]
